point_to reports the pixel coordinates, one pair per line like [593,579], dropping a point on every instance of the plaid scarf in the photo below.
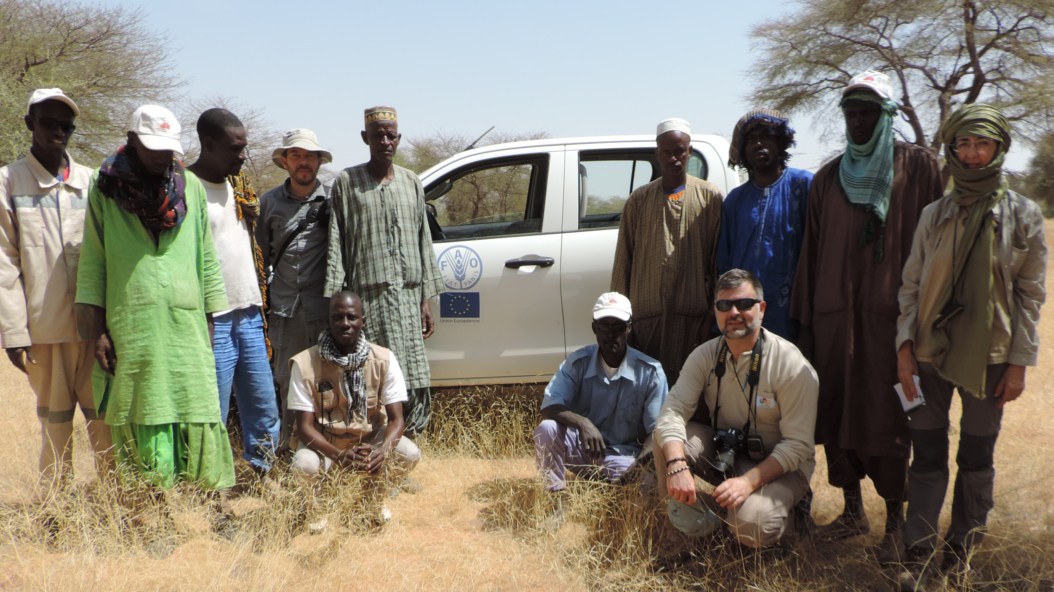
[249,210]
[158,206]
[354,380]
[866,172]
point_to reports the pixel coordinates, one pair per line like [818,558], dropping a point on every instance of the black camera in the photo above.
[731,441]
[728,443]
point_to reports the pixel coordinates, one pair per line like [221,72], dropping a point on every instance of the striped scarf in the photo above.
[249,210]
[352,364]
[866,171]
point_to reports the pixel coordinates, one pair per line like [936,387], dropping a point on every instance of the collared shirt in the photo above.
[41,228]
[1019,275]
[624,408]
[300,276]
[785,400]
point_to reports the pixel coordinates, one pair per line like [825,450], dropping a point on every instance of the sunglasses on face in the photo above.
[742,305]
[616,329]
[52,123]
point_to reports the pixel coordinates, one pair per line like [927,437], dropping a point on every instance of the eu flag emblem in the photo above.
[459,305]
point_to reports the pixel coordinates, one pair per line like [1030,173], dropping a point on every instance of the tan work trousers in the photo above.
[61,378]
[765,515]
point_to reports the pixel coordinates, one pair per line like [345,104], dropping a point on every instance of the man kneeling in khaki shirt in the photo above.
[759,384]
[348,398]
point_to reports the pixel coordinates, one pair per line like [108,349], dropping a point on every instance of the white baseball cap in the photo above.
[614,305]
[157,128]
[300,138]
[52,94]
[875,82]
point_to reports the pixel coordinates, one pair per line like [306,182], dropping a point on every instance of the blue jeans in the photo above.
[241,364]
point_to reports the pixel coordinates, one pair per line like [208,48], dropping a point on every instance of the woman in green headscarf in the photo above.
[972,289]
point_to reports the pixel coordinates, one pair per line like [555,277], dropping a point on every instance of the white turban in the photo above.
[674,124]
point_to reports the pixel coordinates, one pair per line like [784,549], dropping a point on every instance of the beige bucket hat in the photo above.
[300,138]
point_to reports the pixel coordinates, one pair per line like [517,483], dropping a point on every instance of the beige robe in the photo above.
[666,264]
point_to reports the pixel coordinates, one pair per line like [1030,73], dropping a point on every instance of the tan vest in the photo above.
[325,381]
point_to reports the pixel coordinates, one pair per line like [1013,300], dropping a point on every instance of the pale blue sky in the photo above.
[568,68]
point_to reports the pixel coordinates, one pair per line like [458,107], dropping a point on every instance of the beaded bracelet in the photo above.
[673,460]
[675,471]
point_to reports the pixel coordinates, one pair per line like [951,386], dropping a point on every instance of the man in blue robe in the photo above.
[763,219]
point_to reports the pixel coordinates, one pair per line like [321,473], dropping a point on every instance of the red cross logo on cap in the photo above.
[164,125]
[872,78]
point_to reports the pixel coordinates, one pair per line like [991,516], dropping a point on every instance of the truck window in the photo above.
[496,198]
[607,178]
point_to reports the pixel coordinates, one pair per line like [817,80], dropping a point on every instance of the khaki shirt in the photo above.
[1019,274]
[41,228]
[786,400]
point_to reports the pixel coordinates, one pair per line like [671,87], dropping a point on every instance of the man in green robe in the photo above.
[149,271]
[380,247]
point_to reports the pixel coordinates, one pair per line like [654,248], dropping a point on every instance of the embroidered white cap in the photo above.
[674,124]
[875,82]
[157,128]
[52,94]
[614,305]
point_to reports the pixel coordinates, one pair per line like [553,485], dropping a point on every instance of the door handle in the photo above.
[530,260]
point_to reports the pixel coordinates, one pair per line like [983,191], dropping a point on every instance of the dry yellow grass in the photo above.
[477,524]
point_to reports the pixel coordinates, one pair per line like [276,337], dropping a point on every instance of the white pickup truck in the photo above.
[529,232]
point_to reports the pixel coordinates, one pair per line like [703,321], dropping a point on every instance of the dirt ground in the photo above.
[439,539]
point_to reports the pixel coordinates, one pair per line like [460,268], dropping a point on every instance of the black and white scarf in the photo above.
[354,379]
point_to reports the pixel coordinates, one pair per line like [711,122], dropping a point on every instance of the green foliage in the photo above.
[940,54]
[1038,181]
[105,59]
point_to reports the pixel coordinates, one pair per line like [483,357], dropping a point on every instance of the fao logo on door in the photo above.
[461,267]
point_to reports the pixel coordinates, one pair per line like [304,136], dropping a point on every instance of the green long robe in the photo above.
[156,298]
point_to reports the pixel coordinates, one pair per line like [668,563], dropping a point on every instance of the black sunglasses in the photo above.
[52,123]
[611,329]
[742,305]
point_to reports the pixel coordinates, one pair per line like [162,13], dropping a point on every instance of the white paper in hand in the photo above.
[909,405]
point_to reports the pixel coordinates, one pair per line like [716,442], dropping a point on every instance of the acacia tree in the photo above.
[939,53]
[1038,180]
[106,59]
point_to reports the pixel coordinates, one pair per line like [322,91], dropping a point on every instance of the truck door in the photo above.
[500,320]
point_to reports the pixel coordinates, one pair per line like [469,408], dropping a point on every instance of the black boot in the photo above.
[852,521]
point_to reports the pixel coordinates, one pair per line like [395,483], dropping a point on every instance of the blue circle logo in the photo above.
[461,267]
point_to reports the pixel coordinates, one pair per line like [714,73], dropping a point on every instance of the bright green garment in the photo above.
[155,297]
[163,454]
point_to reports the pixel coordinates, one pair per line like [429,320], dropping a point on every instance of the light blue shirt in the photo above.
[624,408]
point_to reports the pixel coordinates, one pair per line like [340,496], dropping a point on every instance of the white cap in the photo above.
[157,128]
[52,94]
[300,138]
[674,124]
[875,82]
[612,304]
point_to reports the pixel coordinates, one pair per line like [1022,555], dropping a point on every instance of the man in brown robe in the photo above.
[858,232]
[666,258]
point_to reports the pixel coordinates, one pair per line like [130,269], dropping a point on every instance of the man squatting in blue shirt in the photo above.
[600,408]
